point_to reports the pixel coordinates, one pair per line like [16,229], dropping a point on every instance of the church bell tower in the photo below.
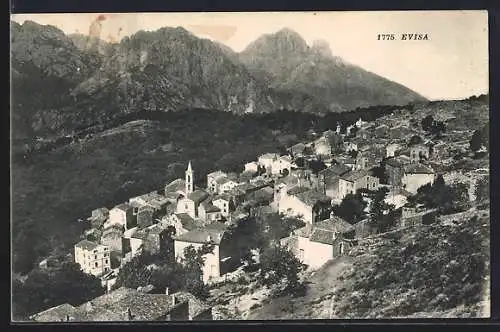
[189,179]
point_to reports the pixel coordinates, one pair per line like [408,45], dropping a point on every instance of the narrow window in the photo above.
[96,264]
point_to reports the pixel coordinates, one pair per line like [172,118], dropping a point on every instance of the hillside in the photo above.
[438,271]
[286,62]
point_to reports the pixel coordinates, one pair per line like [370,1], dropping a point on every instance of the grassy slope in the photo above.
[438,271]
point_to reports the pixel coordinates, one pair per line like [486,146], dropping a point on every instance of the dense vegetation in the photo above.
[44,289]
[52,189]
[163,271]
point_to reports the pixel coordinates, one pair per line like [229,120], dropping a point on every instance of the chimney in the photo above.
[166,291]
[129,314]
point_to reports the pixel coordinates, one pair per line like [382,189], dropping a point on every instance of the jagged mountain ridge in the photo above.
[64,82]
[287,63]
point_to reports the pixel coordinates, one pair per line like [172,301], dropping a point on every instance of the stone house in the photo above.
[416,176]
[267,160]
[183,223]
[208,212]
[413,216]
[94,258]
[191,203]
[419,152]
[216,263]
[328,179]
[316,244]
[394,168]
[124,214]
[308,204]
[153,239]
[252,166]
[350,182]
[297,150]
[112,237]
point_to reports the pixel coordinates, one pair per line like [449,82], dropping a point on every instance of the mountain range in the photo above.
[61,82]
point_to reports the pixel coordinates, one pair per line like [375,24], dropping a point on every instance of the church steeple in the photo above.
[189,179]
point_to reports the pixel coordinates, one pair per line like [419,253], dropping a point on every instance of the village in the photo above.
[307,182]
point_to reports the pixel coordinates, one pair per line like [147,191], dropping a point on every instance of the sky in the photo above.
[452,64]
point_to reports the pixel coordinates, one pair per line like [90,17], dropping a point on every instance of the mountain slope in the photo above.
[46,66]
[286,62]
[62,83]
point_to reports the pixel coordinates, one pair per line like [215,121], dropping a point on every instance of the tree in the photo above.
[193,262]
[279,266]
[379,210]
[316,166]
[135,273]
[44,289]
[414,140]
[482,189]
[476,141]
[351,208]
[300,162]
[427,122]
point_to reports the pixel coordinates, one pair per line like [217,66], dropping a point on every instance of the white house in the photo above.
[214,234]
[252,166]
[227,185]
[281,164]
[391,149]
[316,244]
[416,176]
[93,258]
[222,202]
[350,182]
[300,202]
[124,215]
[212,178]
[267,160]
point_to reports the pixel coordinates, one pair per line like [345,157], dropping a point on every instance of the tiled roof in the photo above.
[335,224]
[354,175]
[288,180]
[87,245]
[209,207]
[57,314]
[418,169]
[324,231]
[123,207]
[222,179]
[335,170]
[211,233]
[198,196]
[113,306]
[216,174]
[186,221]
[312,197]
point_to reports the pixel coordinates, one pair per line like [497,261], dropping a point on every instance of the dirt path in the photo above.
[315,304]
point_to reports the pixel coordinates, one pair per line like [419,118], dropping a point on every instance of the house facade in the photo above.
[416,176]
[124,214]
[350,182]
[300,202]
[214,234]
[318,243]
[93,258]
